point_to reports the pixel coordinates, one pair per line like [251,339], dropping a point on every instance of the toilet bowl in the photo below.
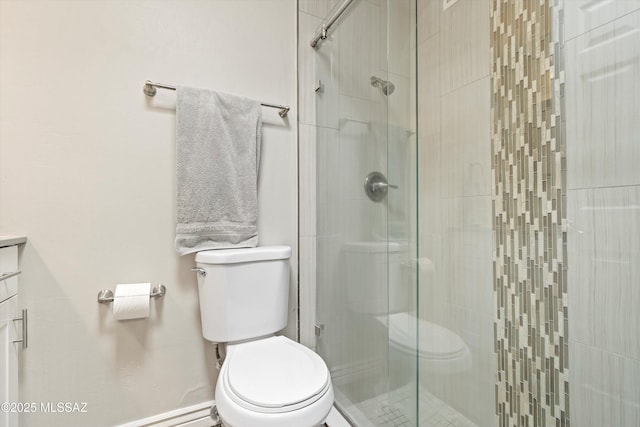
[273,382]
[265,380]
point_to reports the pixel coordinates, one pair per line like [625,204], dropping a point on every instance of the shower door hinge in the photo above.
[319,87]
[319,329]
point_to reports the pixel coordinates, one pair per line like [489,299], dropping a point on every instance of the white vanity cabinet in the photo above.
[11,331]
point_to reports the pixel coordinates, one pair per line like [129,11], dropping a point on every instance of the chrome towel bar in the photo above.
[149,89]
[105,296]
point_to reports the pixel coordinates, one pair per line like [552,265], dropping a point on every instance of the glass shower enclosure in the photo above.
[478,212]
[366,215]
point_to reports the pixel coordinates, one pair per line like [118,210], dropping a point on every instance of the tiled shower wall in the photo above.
[602,56]
[455,286]
[529,209]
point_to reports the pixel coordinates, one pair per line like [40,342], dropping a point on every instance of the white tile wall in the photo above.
[307,232]
[317,8]
[602,92]
[307,173]
[466,162]
[464,30]
[307,25]
[585,15]
[308,246]
[604,250]
[454,196]
[428,19]
[429,86]
[360,53]
[604,390]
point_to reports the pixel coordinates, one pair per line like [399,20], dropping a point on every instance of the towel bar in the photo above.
[149,89]
[105,296]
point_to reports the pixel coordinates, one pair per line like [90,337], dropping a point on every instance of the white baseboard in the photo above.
[191,416]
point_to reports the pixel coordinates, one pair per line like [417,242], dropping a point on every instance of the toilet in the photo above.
[265,380]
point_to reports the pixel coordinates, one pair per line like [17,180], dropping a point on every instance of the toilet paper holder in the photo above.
[105,296]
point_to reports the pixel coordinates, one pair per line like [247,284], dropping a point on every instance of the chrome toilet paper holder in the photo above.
[105,296]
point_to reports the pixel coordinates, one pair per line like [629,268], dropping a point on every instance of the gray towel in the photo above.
[217,156]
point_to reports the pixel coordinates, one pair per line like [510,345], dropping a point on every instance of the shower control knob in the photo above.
[376,186]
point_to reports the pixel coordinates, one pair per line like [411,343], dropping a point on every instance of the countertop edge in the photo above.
[12,240]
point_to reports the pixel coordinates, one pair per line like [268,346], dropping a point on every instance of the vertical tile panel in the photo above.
[528,189]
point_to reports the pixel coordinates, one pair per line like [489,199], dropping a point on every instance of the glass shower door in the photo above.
[366,285]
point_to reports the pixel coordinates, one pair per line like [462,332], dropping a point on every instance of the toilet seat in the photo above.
[274,375]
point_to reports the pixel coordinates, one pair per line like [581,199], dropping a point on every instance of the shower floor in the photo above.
[397,409]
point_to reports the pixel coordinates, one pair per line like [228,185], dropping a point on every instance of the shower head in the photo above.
[385,85]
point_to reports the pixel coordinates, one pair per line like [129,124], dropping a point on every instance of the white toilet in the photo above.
[265,380]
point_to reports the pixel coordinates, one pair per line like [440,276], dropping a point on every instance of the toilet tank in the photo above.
[374,278]
[244,293]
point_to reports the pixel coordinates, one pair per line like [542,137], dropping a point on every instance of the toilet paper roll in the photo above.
[131,301]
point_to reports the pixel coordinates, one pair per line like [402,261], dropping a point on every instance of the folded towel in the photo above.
[217,155]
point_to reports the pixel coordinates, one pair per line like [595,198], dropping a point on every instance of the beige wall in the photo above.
[87,172]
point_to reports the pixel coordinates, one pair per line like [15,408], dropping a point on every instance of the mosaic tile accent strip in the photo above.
[529,208]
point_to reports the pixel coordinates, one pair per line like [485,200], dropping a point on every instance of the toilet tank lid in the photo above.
[232,256]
